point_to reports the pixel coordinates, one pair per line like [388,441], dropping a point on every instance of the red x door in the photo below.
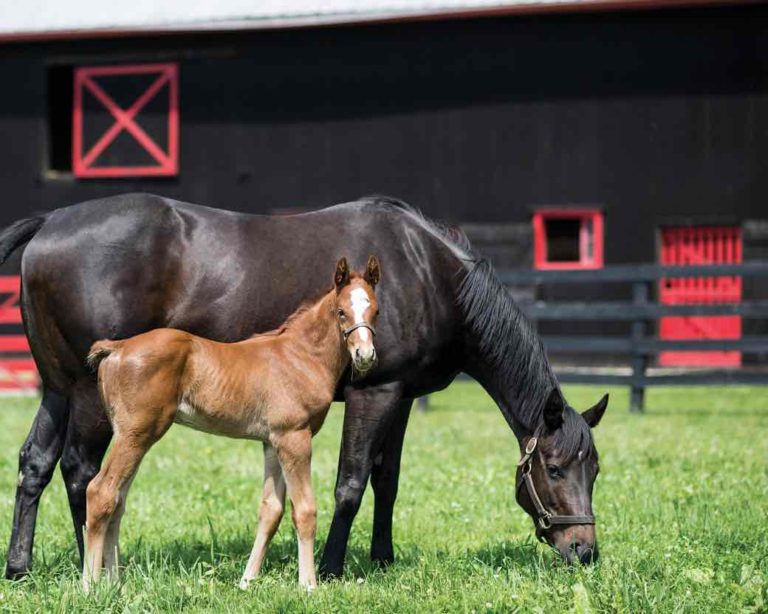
[689,245]
[125,121]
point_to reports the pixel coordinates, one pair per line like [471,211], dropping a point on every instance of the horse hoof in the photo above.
[244,584]
[382,562]
[328,575]
[16,572]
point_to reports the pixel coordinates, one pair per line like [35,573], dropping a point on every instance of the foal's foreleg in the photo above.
[294,450]
[104,497]
[270,513]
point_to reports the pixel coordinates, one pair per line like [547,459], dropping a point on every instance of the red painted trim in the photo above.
[16,374]
[84,163]
[584,214]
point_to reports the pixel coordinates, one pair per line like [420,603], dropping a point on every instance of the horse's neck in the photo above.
[519,393]
[315,335]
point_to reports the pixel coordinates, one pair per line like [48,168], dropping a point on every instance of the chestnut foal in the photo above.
[275,387]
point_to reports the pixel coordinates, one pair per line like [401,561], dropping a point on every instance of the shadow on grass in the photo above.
[228,556]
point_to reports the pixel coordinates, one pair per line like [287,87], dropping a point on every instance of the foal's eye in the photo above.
[341,314]
[554,472]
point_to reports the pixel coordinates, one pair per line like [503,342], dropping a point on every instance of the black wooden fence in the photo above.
[642,311]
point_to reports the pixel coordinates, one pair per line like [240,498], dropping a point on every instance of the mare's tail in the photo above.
[100,350]
[17,234]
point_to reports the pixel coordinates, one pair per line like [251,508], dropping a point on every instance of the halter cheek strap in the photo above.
[544,518]
[348,331]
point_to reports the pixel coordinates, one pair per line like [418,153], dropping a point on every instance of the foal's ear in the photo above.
[372,271]
[595,413]
[553,410]
[341,276]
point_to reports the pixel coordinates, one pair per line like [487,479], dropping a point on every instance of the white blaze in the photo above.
[360,302]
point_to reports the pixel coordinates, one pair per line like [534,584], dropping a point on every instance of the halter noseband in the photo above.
[544,518]
[348,331]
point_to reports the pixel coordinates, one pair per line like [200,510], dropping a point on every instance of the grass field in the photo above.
[681,501]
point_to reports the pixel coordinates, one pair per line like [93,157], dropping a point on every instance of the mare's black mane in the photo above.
[506,340]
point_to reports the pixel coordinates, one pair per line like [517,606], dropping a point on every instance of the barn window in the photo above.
[125,121]
[60,119]
[568,239]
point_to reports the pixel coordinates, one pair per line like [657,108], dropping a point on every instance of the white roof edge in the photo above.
[17,30]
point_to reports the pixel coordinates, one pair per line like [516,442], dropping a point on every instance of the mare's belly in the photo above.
[241,424]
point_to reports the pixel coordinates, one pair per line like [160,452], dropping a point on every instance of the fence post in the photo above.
[639,360]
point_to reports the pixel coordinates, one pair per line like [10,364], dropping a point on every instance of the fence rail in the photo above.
[638,346]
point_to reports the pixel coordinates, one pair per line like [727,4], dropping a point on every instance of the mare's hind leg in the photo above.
[87,440]
[294,449]
[385,475]
[37,461]
[270,513]
[106,496]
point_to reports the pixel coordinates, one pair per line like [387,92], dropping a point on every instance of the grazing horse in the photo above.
[275,387]
[123,265]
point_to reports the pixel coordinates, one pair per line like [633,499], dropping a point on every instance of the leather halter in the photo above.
[348,331]
[544,518]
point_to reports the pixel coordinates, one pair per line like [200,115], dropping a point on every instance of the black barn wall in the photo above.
[654,116]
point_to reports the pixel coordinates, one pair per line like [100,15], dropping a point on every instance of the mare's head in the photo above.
[357,310]
[558,467]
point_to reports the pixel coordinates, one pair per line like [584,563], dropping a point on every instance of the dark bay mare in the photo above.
[120,266]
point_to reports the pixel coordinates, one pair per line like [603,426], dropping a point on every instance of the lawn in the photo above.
[681,502]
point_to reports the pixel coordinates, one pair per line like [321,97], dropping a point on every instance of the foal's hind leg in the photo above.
[294,450]
[105,494]
[270,513]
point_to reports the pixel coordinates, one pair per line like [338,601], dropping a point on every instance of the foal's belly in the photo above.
[241,424]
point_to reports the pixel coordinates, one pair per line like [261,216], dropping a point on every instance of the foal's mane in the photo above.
[303,307]
[506,340]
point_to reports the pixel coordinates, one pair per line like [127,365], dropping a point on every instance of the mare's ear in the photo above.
[341,276]
[595,413]
[553,410]
[372,271]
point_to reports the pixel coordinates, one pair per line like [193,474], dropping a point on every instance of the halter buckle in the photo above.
[531,445]
[545,521]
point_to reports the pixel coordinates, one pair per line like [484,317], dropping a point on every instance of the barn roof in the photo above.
[44,19]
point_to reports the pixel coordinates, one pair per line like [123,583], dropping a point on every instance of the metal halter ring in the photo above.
[348,331]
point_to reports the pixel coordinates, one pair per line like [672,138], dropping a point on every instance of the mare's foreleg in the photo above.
[88,437]
[385,475]
[294,450]
[270,513]
[37,461]
[369,414]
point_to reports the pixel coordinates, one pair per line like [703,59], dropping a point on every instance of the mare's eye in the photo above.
[554,472]
[341,314]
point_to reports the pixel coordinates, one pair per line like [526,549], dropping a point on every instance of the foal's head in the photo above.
[357,310]
[561,462]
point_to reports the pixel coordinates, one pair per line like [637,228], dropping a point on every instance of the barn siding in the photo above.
[650,115]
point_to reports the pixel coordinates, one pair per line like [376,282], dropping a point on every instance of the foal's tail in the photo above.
[100,350]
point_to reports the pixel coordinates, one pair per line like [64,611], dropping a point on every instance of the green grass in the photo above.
[681,504]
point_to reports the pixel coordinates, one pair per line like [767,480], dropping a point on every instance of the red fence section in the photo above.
[690,245]
[17,368]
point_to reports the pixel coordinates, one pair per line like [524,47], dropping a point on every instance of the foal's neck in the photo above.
[315,331]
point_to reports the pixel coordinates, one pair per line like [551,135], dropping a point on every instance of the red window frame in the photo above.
[595,216]
[83,163]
